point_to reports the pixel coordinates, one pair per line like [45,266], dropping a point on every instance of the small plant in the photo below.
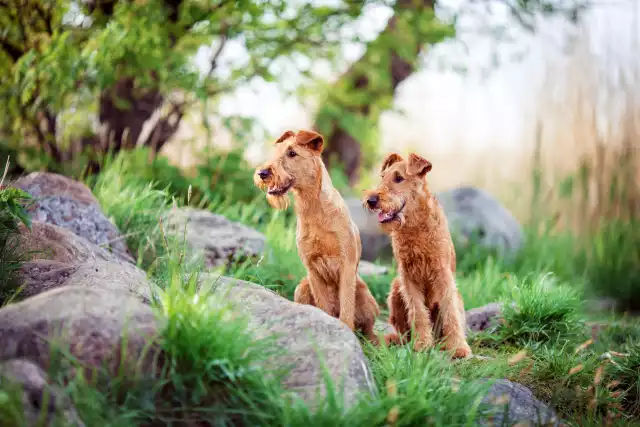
[418,389]
[136,207]
[544,311]
[213,367]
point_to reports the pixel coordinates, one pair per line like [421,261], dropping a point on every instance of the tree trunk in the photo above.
[341,145]
[124,113]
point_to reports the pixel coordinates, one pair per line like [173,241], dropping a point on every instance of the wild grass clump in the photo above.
[485,284]
[136,207]
[214,366]
[542,310]
[419,388]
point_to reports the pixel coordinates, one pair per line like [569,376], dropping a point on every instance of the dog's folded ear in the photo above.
[389,160]
[288,134]
[418,165]
[310,139]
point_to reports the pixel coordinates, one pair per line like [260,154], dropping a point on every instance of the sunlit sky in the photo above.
[444,108]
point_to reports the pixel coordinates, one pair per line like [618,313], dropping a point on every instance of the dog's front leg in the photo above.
[320,292]
[453,319]
[419,316]
[347,294]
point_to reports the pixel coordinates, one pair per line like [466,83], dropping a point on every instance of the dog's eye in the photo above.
[398,178]
[292,153]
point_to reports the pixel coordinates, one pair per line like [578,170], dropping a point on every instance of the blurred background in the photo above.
[534,101]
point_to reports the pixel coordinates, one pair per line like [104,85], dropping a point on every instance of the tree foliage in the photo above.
[97,74]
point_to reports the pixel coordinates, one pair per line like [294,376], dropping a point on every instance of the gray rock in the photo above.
[32,389]
[89,323]
[482,318]
[45,184]
[471,210]
[513,403]
[366,268]
[214,237]
[467,209]
[42,275]
[48,241]
[86,221]
[69,204]
[308,337]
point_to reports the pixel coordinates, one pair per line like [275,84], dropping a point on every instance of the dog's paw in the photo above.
[350,323]
[393,339]
[461,351]
[423,344]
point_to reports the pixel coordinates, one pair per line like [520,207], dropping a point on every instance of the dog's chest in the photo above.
[318,242]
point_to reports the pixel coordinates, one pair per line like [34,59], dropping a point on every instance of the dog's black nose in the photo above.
[264,174]
[372,201]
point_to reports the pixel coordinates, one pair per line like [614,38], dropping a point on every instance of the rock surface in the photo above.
[48,241]
[71,205]
[214,237]
[34,391]
[39,276]
[45,184]
[88,322]
[522,407]
[471,210]
[468,210]
[482,318]
[304,333]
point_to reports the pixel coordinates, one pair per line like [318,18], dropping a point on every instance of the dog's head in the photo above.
[401,190]
[295,164]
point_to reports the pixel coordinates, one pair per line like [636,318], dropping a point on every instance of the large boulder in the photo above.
[45,184]
[471,213]
[37,400]
[69,204]
[39,276]
[100,328]
[213,237]
[311,340]
[475,214]
[48,241]
[515,404]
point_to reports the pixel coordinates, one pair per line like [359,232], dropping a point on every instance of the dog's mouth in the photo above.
[280,191]
[384,217]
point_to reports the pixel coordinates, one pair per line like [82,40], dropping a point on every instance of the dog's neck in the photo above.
[318,198]
[421,215]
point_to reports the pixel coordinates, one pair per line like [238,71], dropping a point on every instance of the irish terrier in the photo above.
[327,238]
[424,294]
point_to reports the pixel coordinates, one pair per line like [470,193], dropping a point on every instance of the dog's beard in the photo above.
[278,202]
[259,182]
